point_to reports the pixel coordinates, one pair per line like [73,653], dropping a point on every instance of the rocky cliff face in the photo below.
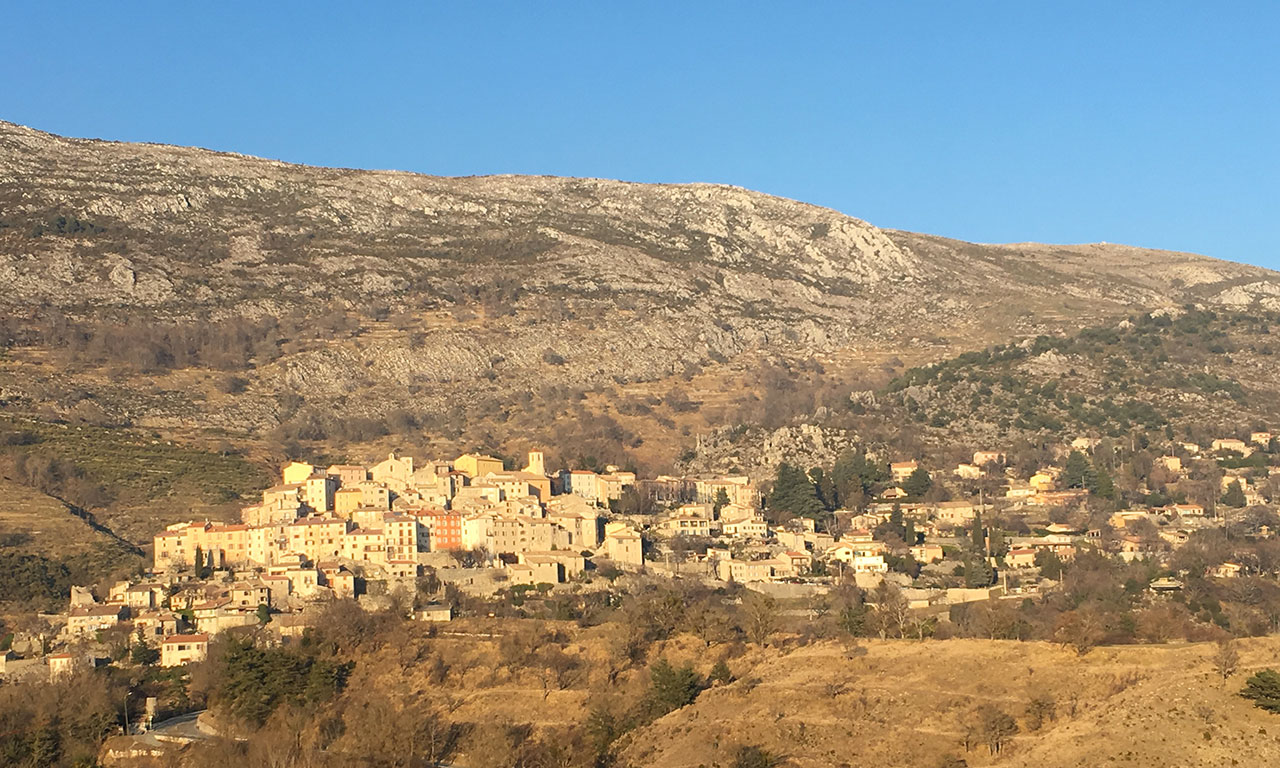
[501,285]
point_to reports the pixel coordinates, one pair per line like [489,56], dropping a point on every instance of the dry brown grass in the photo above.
[42,521]
[906,703]
[888,703]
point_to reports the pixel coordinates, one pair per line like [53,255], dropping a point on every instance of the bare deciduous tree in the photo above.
[760,617]
[1226,660]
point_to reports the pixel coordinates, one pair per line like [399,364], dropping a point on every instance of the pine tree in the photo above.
[1263,689]
[854,619]
[844,475]
[1234,497]
[670,688]
[919,483]
[853,474]
[1102,485]
[794,493]
[720,673]
[999,543]
[144,655]
[1077,471]
[602,730]
[824,485]
[977,572]
[1050,564]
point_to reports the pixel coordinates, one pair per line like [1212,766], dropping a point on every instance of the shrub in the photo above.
[670,688]
[1263,689]
[720,673]
[755,757]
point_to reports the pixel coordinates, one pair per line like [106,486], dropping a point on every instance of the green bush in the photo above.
[1263,689]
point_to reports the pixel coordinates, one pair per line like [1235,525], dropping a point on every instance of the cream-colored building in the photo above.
[400,537]
[394,472]
[899,471]
[579,520]
[364,545]
[477,465]
[153,626]
[296,473]
[738,488]
[317,538]
[225,545]
[1024,557]
[582,483]
[63,664]
[927,553]
[317,492]
[177,650]
[88,619]
[517,485]
[955,513]
[347,500]
[280,510]
[266,544]
[983,458]
[1231,444]
[507,534]
[477,494]
[566,564]
[749,528]
[348,474]
[283,495]
[624,545]
[743,571]
[685,525]
[1043,481]
[969,471]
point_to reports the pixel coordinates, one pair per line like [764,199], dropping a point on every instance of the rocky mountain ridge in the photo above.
[485,289]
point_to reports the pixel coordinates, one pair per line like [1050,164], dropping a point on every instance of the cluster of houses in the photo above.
[142,612]
[748,549]
[327,533]
[320,523]
[323,533]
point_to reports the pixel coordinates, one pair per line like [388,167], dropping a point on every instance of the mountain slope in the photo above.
[455,305]
[911,704]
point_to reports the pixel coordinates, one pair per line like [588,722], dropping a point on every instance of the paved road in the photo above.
[183,728]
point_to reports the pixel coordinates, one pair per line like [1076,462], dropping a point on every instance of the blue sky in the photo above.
[1150,123]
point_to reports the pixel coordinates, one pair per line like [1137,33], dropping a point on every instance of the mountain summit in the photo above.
[482,290]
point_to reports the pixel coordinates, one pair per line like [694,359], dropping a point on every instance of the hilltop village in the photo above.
[417,536]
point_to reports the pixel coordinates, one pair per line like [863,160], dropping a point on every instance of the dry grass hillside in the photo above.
[825,704]
[28,516]
[902,703]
